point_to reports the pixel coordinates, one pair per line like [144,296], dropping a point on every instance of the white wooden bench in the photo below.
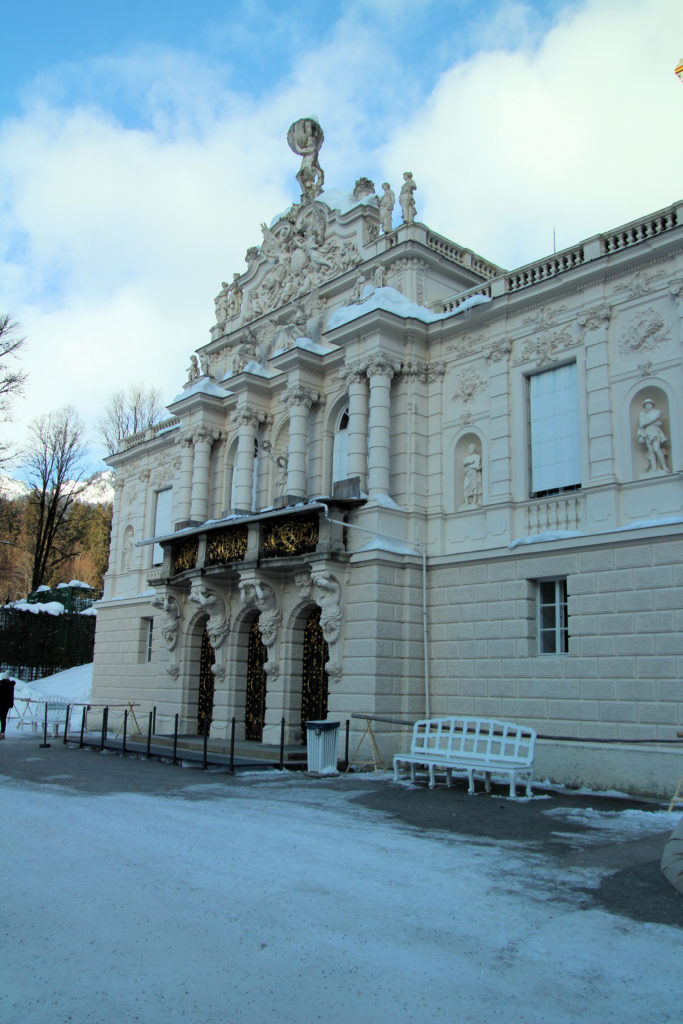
[32,715]
[470,746]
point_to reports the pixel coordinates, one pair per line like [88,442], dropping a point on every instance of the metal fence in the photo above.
[37,645]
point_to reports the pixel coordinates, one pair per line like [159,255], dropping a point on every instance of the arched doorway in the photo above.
[255,707]
[206,684]
[314,676]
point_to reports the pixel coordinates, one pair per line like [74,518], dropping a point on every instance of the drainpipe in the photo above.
[423,551]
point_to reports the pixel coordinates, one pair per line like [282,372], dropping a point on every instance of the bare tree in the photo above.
[53,463]
[12,380]
[128,411]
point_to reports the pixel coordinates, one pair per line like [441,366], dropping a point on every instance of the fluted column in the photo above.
[299,400]
[199,508]
[380,371]
[185,482]
[357,430]
[247,426]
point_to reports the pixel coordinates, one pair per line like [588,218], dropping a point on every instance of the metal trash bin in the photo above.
[322,741]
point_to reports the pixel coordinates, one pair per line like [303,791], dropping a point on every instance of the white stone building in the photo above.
[505,449]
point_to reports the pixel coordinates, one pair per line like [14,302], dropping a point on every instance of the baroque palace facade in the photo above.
[403,482]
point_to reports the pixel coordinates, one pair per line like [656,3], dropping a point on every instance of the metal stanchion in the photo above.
[84,712]
[154,721]
[175,740]
[232,746]
[66,724]
[125,729]
[45,743]
[105,719]
[346,747]
[282,744]
[149,735]
[206,741]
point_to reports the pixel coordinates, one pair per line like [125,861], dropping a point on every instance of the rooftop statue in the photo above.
[406,198]
[386,208]
[305,137]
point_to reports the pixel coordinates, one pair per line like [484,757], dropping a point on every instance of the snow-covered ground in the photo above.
[275,899]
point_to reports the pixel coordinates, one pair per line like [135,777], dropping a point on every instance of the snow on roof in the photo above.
[393,301]
[204,386]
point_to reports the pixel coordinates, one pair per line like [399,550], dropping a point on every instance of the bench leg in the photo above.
[470,781]
[432,782]
[487,783]
[449,777]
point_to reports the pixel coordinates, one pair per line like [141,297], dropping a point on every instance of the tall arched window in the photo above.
[340,450]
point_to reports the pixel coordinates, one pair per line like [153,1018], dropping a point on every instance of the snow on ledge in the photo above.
[203,386]
[392,301]
[541,538]
[50,607]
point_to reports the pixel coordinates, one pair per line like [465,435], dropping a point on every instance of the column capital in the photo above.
[298,394]
[353,373]
[594,318]
[248,417]
[382,366]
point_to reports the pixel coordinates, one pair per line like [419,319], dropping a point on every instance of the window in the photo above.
[340,451]
[554,431]
[162,522]
[146,640]
[553,626]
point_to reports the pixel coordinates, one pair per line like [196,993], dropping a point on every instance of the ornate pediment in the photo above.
[298,254]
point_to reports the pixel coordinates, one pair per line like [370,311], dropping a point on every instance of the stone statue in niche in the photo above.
[127,551]
[471,485]
[305,137]
[650,434]
[386,208]
[221,303]
[380,276]
[406,198]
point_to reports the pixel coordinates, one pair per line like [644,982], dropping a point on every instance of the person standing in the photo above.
[6,701]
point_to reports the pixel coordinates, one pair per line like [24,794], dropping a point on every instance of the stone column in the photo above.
[199,507]
[247,425]
[358,423]
[299,400]
[185,481]
[601,455]
[380,373]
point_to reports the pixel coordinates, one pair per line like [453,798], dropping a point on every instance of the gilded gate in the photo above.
[314,676]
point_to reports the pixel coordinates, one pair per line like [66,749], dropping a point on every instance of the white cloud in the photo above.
[582,132]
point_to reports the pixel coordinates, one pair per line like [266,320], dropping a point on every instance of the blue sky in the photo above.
[141,145]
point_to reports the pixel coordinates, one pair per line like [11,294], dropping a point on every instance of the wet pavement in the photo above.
[559,825]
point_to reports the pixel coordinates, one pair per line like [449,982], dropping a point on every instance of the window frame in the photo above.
[556,608]
[533,435]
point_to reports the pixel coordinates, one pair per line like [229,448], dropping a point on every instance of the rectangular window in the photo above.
[146,648]
[162,522]
[554,431]
[553,625]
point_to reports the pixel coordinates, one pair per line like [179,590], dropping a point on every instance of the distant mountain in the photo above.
[97,489]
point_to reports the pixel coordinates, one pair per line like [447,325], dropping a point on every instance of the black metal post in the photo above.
[105,719]
[346,747]
[45,743]
[149,735]
[154,723]
[282,744]
[232,746]
[175,740]
[84,712]
[66,724]
[206,741]
[125,730]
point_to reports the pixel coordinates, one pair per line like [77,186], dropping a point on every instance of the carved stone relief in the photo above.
[218,625]
[646,330]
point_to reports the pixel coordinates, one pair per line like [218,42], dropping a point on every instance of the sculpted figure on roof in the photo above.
[305,137]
